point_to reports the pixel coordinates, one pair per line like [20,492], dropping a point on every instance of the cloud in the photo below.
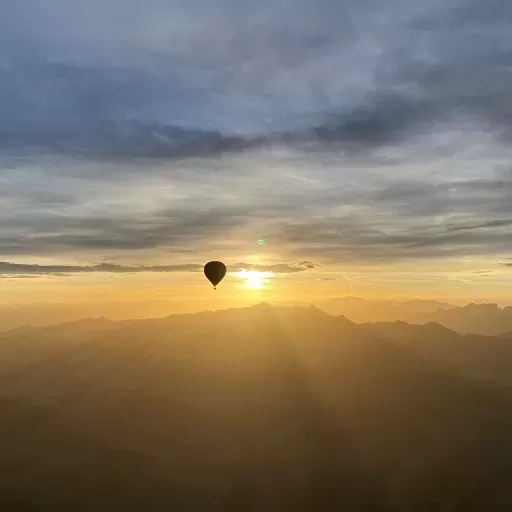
[497,223]
[169,79]
[306,264]
[277,268]
[354,131]
[23,270]
[351,239]
[53,232]
[302,207]
[19,270]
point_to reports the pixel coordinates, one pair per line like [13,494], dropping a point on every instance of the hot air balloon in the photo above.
[215,272]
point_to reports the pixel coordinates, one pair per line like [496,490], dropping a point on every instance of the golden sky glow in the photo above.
[160,293]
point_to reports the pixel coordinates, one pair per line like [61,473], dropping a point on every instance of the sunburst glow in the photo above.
[254,280]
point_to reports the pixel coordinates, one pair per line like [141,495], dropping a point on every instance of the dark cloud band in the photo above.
[214,78]
[19,269]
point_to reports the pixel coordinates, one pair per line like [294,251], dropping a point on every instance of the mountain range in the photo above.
[259,408]
[487,319]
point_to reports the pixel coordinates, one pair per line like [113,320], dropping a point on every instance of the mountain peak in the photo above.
[263,305]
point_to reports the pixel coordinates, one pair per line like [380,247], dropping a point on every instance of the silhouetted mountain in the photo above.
[45,315]
[364,310]
[488,319]
[475,318]
[260,408]
[491,320]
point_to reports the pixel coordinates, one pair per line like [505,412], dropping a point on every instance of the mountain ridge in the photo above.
[492,320]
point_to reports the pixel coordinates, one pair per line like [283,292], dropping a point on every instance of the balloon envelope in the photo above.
[215,272]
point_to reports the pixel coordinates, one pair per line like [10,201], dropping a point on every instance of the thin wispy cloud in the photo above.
[277,268]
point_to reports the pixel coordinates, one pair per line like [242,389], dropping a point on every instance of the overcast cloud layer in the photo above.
[337,131]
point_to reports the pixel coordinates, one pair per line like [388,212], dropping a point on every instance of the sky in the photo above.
[366,143]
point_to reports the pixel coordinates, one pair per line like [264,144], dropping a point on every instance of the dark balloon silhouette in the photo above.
[215,272]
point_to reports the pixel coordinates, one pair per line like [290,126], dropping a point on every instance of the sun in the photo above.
[254,280]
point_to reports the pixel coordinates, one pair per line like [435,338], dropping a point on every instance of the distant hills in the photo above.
[475,318]
[365,310]
[262,408]
[487,319]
